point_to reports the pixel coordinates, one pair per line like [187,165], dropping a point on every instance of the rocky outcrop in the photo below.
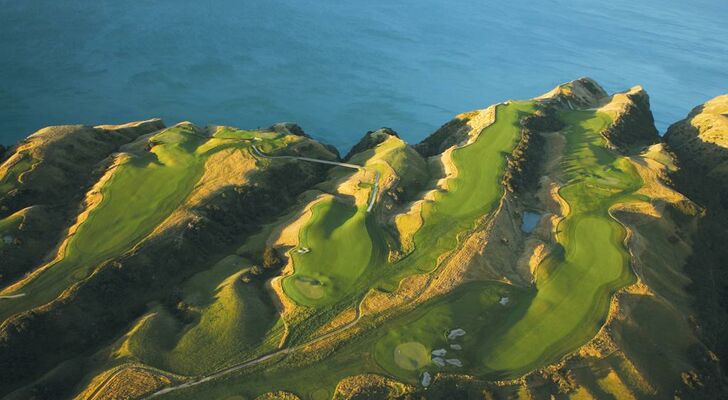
[634,125]
[453,132]
[288,128]
[581,93]
[701,140]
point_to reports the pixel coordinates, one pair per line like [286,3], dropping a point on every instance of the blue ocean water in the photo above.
[340,68]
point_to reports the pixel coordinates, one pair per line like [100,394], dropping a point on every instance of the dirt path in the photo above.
[12,296]
[375,189]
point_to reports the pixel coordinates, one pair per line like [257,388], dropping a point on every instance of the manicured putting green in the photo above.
[342,243]
[411,356]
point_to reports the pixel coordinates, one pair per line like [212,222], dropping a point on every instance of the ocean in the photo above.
[341,68]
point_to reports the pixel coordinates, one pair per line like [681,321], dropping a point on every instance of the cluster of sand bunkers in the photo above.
[439,355]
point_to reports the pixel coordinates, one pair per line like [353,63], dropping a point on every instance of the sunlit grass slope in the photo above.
[143,190]
[228,318]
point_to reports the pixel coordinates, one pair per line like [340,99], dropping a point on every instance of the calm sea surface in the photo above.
[340,68]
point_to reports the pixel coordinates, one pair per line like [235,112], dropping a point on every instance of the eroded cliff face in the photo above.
[634,126]
[701,143]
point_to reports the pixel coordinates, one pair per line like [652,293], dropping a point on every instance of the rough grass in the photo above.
[573,286]
[8,226]
[231,319]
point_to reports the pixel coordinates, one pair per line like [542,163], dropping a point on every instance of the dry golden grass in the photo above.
[359,385]
[340,320]
[279,395]
[124,382]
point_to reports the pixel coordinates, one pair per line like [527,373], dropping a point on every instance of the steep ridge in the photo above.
[215,210]
[42,183]
[700,143]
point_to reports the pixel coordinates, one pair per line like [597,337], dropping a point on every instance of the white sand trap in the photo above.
[456,333]
[454,361]
[456,347]
[504,300]
[440,362]
[439,352]
[426,379]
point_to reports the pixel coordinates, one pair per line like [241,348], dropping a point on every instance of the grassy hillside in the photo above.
[226,264]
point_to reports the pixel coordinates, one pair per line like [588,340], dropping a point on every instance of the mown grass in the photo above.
[473,307]
[342,243]
[574,287]
[474,192]
[12,175]
[145,188]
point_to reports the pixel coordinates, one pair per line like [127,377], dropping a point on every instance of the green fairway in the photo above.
[343,243]
[143,190]
[13,174]
[507,331]
[474,308]
[574,286]
[474,192]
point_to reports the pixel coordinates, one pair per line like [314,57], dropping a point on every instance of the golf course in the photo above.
[573,286]
[507,255]
[134,198]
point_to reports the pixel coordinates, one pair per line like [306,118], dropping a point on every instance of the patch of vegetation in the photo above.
[453,132]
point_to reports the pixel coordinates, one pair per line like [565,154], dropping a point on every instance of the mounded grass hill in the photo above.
[531,249]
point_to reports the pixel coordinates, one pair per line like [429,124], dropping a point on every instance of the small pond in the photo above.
[530,220]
